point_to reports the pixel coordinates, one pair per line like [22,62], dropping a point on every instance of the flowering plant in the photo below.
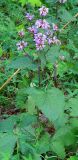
[44,94]
[43,33]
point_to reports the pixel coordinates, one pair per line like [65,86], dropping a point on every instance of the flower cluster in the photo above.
[33,29]
[40,40]
[43,33]
[43,11]
[42,24]
[53,40]
[21,45]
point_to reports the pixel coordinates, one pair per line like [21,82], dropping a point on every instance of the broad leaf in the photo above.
[30,105]
[72,106]
[59,149]
[8,124]
[7,144]
[65,135]
[23,62]
[43,145]
[47,102]
[53,54]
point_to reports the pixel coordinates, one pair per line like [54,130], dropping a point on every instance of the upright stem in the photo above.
[55,75]
[39,72]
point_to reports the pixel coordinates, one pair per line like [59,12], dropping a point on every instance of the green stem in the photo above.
[55,75]
[39,72]
[18,150]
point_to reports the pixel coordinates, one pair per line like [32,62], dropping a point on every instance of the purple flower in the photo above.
[38,23]
[21,33]
[45,24]
[49,33]
[55,27]
[40,46]
[43,11]
[40,36]
[33,29]
[42,24]
[50,41]
[21,45]
[29,16]
[40,40]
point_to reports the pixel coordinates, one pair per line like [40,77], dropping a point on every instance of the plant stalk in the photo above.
[9,79]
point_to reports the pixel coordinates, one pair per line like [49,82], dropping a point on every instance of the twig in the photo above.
[9,79]
[76,15]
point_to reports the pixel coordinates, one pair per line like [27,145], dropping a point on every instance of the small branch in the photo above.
[9,79]
[76,15]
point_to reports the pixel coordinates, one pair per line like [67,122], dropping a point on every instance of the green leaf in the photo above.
[73,158]
[1,51]
[8,124]
[30,105]
[53,54]
[72,106]
[59,149]
[74,122]
[65,135]
[43,145]
[23,62]
[7,145]
[27,119]
[23,2]
[32,2]
[35,2]
[65,15]
[62,68]
[47,102]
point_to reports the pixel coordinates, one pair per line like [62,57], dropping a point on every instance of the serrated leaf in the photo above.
[47,102]
[23,62]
